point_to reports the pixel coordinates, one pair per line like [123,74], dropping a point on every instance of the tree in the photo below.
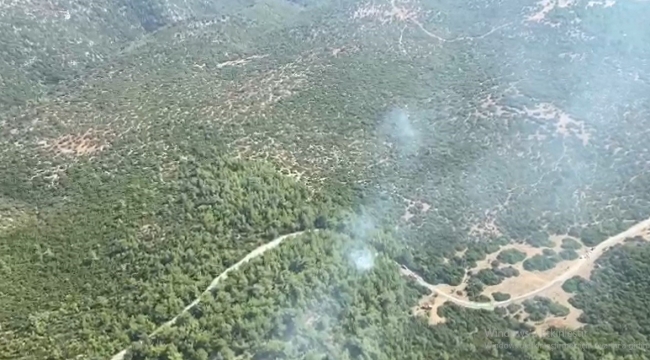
[570,244]
[511,256]
[499,296]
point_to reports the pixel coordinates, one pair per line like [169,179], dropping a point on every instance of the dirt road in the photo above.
[635,230]
[597,252]
[253,254]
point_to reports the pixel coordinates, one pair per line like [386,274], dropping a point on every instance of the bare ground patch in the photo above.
[544,7]
[433,307]
[263,91]
[254,100]
[71,148]
[273,151]
[547,283]
[486,228]
[240,62]
[603,3]
[460,253]
[526,282]
[555,122]
[255,95]
[400,12]
[570,321]
[413,208]
[79,144]
[12,216]
[396,11]
[557,294]
[564,124]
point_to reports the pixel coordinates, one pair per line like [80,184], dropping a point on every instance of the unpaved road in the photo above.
[595,254]
[253,254]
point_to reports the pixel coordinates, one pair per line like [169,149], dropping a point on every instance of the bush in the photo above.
[481,298]
[539,307]
[573,285]
[540,263]
[488,277]
[539,239]
[507,272]
[474,287]
[513,308]
[591,236]
[568,254]
[558,310]
[570,244]
[499,296]
[511,256]
[549,252]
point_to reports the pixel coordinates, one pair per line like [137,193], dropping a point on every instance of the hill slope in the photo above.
[425,133]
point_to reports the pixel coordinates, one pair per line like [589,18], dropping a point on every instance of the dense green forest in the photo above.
[158,246]
[148,146]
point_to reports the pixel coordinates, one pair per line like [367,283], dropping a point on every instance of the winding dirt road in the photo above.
[635,230]
[597,252]
[253,254]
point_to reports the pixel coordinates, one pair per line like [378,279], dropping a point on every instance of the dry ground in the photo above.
[528,284]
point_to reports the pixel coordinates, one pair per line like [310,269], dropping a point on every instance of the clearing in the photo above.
[527,284]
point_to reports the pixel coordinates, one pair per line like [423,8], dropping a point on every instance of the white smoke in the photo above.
[398,128]
[363,259]
[363,226]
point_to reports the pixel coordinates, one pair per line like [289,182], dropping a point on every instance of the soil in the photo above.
[547,6]
[85,144]
[411,209]
[530,284]
[561,297]
[565,125]
[240,62]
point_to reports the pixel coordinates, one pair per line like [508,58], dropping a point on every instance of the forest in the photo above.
[148,146]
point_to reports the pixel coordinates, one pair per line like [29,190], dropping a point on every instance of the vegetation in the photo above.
[501,311]
[568,255]
[499,296]
[506,272]
[570,244]
[144,242]
[548,259]
[511,256]
[513,308]
[539,307]
[539,239]
[540,263]
[549,252]
[619,286]
[574,284]
[488,277]
[474,287]
[481,298]
[47,49]
[148,146]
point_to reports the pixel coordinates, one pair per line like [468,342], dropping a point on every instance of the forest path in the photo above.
[253,254]
[636,230]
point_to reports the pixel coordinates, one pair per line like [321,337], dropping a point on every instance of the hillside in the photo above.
[148,146]
[47,45]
